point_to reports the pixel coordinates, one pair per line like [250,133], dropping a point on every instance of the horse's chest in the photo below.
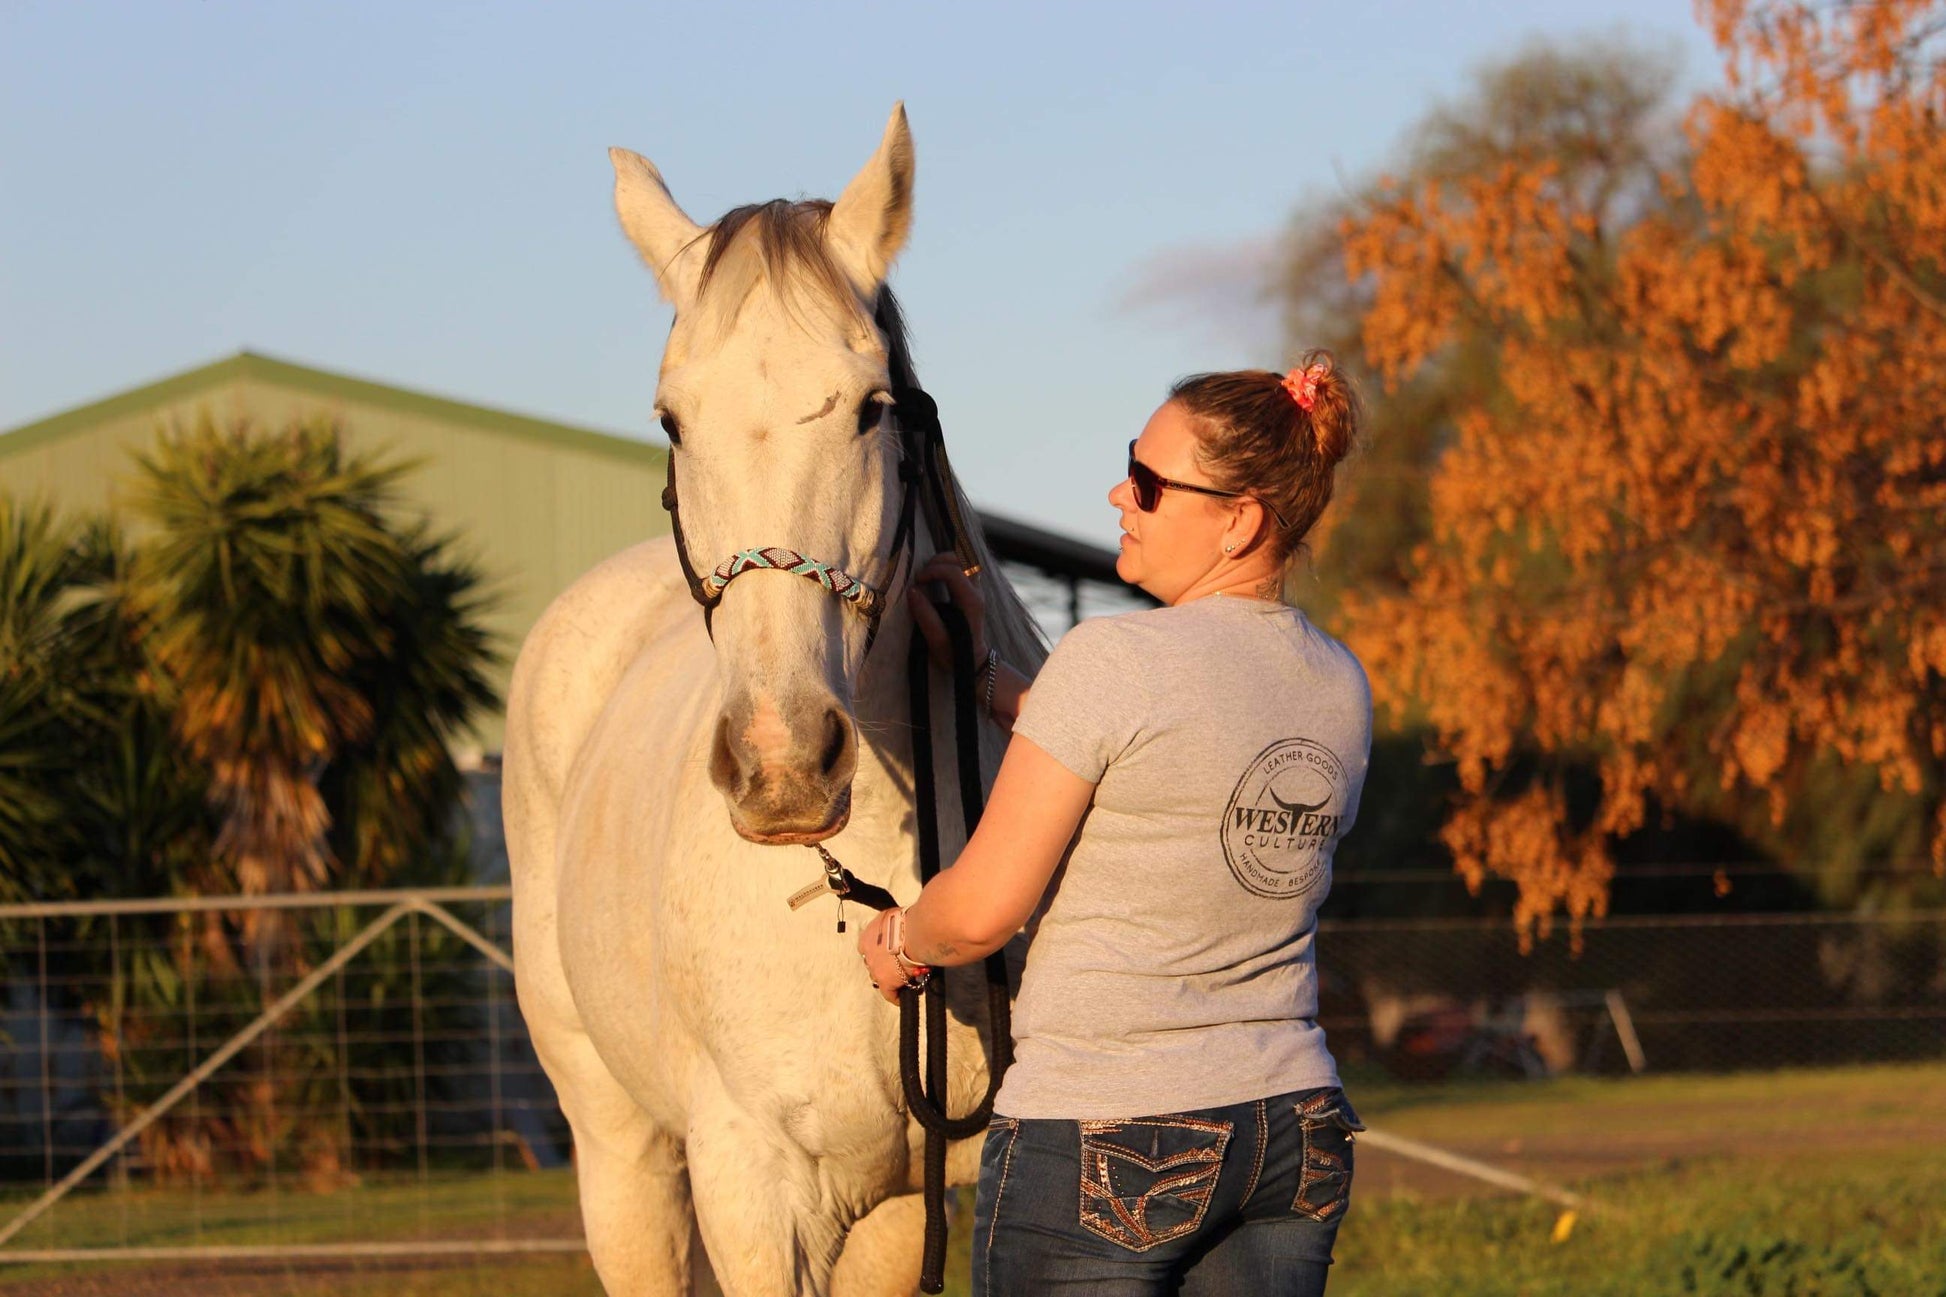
[689,970]
[778,1030]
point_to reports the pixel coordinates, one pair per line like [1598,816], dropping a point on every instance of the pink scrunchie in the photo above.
[1303,386]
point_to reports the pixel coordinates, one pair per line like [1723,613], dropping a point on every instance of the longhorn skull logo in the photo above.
[1298,810]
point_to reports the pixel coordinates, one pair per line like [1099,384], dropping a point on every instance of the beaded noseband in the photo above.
[776,558]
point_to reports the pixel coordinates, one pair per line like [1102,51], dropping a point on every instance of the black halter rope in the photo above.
[925,482]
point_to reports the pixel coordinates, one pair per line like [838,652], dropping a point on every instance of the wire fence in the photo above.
[214,1077]
[192,1073]
[1429,998]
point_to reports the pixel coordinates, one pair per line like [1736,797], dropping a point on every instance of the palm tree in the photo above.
[39,563]
[319,651]
[394,793]
[270,580]
[93,798]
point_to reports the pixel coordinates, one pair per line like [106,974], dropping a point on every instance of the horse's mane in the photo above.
[782,244]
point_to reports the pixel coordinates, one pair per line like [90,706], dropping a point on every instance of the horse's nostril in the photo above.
[837,739]
[725,771]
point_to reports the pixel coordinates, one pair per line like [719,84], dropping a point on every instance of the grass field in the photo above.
[1804,1183]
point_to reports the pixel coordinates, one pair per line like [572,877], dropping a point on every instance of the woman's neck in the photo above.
[1257,581]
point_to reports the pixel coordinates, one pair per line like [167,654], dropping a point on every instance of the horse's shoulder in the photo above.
[617,594]
[581,646]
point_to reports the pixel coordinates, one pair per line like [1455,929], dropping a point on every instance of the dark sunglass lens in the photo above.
[1146,486]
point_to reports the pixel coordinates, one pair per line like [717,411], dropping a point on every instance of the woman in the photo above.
[1172,1121]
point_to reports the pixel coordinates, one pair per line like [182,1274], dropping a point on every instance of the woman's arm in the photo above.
[971,910]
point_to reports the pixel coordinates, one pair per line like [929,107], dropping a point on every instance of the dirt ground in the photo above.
[564,1275]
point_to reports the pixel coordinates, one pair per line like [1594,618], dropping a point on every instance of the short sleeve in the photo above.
[1086,705]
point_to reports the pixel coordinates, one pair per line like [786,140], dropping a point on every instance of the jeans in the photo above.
[1238,1201]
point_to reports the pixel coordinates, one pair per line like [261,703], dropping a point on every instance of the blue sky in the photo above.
[419,193]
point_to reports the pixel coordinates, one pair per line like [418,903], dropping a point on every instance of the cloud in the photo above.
[1224,290]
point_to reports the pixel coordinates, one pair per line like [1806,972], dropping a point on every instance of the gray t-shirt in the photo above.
[1170,966]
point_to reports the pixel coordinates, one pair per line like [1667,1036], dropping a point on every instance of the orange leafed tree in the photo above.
[1690,531]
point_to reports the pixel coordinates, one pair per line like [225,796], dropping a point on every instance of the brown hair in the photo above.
[1256,438]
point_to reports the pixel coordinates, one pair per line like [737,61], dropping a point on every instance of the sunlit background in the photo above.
[1635,960]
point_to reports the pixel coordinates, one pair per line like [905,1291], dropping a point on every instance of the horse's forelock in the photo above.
[780,245]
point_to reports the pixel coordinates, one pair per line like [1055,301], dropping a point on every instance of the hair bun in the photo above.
[1331,413]
[1277,437]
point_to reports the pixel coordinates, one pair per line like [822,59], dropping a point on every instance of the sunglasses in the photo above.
[1149,486]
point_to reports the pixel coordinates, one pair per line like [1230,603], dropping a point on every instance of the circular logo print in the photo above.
[1282,818]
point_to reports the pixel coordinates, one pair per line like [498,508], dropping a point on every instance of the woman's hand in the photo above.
[887,976]
[965,596]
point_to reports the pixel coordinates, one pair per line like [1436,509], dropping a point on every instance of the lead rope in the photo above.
[926,1098]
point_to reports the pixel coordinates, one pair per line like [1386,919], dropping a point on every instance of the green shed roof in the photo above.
[248,365]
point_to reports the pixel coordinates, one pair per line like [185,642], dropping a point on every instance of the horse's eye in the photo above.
[671,428]
[870,411]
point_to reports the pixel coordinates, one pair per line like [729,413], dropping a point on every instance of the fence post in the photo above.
[1625,1030]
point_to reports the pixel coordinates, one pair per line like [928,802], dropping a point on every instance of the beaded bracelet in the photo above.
[915,973]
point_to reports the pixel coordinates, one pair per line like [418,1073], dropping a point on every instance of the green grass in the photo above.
[1805,1182]
[469,1206]
[1824,1225]
[1809,1183]
[520,1204]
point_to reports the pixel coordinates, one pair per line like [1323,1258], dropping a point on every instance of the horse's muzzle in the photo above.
[785,783]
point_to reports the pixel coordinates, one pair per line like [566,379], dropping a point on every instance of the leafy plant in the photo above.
[260,698]
[1774,1267]
[1685,492]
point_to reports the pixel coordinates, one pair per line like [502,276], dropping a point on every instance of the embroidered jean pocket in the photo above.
[1327,1122]
[1148,1180]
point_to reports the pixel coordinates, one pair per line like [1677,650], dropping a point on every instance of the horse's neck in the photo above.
[883,708]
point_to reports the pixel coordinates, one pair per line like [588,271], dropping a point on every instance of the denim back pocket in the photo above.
[1148,1180]
[1328,1122]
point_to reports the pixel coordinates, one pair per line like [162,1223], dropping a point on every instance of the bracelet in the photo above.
[993,673]
[915,973]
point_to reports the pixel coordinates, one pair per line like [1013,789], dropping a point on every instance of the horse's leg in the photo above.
[767,1217]
[635,1204]
[883,1251]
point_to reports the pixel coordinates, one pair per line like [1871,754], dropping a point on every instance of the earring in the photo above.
[1229,549]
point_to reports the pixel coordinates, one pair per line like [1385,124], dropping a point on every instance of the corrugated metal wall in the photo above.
[536,503]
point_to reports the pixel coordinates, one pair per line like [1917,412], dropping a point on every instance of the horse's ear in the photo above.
[871,218]
[656,226]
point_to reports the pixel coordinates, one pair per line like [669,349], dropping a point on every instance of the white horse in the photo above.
[725,1066]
